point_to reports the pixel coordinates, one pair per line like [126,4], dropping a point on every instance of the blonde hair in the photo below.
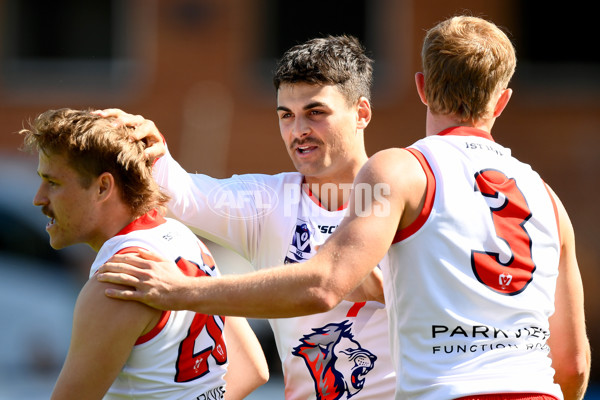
[94,145]
[466,61]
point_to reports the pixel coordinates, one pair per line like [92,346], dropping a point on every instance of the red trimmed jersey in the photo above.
[470,286]
[270,220]
[184,356]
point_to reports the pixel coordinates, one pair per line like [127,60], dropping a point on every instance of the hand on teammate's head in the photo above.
[142,129]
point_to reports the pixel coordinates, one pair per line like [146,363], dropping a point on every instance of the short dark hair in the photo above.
[331,60]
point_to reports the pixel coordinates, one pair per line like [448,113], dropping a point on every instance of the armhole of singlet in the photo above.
[402,234]
[555,212]
[164,317]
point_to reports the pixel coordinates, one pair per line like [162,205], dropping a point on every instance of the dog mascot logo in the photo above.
[337,363]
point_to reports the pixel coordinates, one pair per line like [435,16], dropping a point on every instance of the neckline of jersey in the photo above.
[466,131]
[149,220]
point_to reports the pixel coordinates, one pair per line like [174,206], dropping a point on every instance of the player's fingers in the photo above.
[118,278]
[151,256]
[146,130]
[127,263]
[122,117]
[122,294]
[131,120]
[109,112]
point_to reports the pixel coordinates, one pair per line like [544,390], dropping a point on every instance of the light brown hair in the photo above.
[94,145]
[466,61]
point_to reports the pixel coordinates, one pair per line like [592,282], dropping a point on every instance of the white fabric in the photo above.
[454,335]
[261,217]
[150,371]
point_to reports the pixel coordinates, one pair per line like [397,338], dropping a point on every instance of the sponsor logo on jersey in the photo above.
[337,363]
[327,229]
[480,338]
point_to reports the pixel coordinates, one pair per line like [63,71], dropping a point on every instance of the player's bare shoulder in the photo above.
[405,178]
[395,166]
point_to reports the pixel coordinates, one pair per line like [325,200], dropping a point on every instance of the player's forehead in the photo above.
[55,166]
[303,95]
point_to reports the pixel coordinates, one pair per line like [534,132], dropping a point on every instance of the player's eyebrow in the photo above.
[44,176]
[314,104]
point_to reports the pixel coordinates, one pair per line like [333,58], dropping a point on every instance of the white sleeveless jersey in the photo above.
[470,288]
[270,220]
[184,356]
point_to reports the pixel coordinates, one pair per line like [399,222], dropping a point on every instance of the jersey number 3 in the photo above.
[509,211]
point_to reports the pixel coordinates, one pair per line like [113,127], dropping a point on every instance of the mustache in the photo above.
[46,211]
[307,141]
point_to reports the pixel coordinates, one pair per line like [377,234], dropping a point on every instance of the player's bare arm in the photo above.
[104,332]
[247,367]
[371,288]
[317,285]
[569,345]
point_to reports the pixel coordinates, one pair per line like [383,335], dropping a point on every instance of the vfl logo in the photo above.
[300,248]
[337,363]
[504,280]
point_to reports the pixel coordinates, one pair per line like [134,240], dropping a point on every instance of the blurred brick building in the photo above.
[201,69]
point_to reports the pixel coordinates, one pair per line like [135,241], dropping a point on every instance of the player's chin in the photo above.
[59,240]
[309,169]
[57,244]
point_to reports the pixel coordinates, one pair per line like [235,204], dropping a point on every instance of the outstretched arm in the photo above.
[396,184]
[569,345]
[196,198]
[247,369]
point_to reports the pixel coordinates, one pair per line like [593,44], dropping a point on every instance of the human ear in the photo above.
[105,185]
[363,113]
[505,95]
[420,82]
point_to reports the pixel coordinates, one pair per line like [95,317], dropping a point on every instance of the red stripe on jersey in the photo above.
[509,396]
[316,200]
[466,131]
[353,311]
[404,233]
[164,316]
[149,220]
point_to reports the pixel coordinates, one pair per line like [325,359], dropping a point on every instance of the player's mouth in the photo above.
[50,223]
[50,215]
[307,149]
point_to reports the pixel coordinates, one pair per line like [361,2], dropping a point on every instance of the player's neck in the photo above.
[115,219]
[332,191]
[437,123]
